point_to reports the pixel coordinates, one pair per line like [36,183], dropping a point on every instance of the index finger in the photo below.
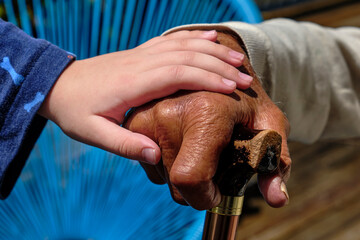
[185,34]
[195,166]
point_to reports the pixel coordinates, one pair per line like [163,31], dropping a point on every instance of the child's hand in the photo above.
[91,97]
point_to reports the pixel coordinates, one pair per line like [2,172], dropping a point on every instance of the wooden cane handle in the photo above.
[250,152]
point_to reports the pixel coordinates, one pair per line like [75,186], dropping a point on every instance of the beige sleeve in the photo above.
[312,73]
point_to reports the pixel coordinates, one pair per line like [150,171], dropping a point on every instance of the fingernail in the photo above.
[149,155]
[229,83]
[209,33]
[245,77]
[236,55]
[284,190]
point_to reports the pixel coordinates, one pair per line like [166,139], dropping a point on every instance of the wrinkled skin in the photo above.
[192,128]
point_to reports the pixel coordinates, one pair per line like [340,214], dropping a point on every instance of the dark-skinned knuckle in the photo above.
[211,107]
[179,179]
[205,100]
[188,178]
[167,110]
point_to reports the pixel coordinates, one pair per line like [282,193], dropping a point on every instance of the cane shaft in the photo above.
[220,226]
[248,153]
[221,221]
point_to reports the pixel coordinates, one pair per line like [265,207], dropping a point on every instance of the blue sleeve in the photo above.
[28,69]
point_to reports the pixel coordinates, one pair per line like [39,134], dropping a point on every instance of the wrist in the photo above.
[56,95]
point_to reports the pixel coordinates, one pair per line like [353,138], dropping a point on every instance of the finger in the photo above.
[169,153]
[273,189]
[175,193]
[165,81]
[208,35]
[202,61]
[201,46]
[107,135]
[195,166]
[154,173]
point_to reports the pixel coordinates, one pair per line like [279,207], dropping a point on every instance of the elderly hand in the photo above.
[192,128]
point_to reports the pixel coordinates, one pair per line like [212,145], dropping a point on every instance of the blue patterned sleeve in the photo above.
[28,69]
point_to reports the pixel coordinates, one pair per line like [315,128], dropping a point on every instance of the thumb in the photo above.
[111,137]
[273,188]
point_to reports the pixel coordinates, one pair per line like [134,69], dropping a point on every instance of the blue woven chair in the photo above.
[68,190]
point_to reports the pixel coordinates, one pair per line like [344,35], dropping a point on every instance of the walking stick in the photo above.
[250,152]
